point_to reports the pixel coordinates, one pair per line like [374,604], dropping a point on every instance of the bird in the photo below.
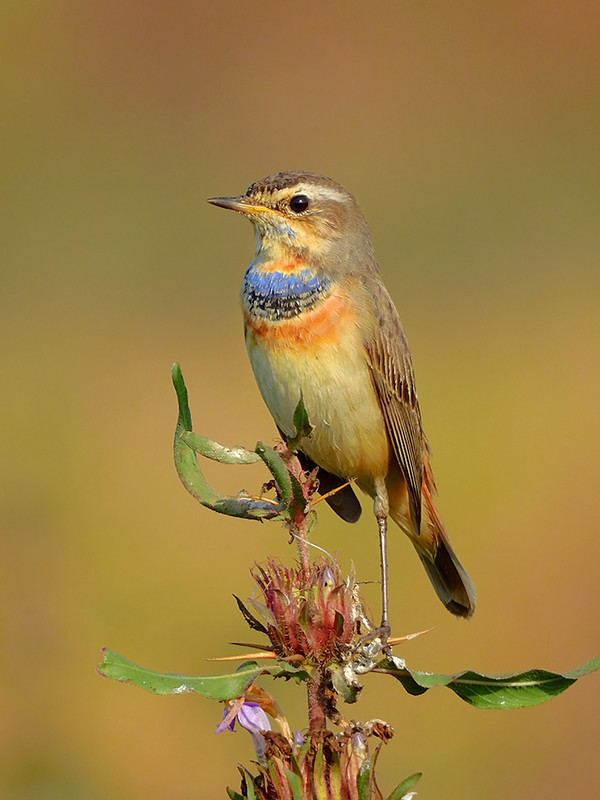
[320,326]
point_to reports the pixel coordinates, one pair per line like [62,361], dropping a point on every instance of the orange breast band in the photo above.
[323,324]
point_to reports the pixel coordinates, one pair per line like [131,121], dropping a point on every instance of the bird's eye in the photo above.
[299,203]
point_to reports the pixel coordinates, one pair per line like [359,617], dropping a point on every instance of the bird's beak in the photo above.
[241,204]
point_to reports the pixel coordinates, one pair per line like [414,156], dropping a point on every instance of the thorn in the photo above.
[334,491]
[244,657]
[409,636]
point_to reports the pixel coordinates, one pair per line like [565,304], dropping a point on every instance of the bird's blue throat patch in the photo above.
[282,295]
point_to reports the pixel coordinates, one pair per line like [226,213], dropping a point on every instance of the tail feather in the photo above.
[447,575]
[449,579]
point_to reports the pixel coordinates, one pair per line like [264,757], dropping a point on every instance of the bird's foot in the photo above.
[369,647]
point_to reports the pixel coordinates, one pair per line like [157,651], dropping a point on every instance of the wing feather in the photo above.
[393,377]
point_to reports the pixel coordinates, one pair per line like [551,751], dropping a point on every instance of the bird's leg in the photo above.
[381,507]
[385,620]
[376,640]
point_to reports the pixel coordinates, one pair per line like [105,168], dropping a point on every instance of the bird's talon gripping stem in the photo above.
[368,648]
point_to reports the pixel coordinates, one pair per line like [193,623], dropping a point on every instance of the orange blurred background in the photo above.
[469,132]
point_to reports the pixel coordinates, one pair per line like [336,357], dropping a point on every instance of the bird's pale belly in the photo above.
[326,364]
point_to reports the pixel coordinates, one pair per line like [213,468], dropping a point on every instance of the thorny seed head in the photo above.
[322,765]
[308,616]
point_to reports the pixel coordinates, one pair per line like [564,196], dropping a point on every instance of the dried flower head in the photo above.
[308,615]
[321,766]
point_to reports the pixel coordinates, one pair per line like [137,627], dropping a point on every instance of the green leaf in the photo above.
[294,784]
[585,669]
[185,446]
[188,444]
[255,624]
[348,692]
[300,500]
[217,452]
[335,775]
[320,768]
[302,426]
[404,787]
[215,687]
[250,793]
[278,470]
[246,793]
[284,670]
[514,690]
[185,417]
[363,781]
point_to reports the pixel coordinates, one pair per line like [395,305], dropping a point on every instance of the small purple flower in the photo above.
[299,739]
[251,717]
[359,746]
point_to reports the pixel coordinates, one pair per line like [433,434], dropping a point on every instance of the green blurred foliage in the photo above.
[469,133]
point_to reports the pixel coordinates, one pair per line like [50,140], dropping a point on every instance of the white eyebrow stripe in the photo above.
[327,193]
[314,191]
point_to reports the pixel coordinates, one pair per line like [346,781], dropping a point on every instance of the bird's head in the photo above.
[304,216]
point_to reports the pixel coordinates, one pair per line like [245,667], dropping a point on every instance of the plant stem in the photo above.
[317,717]
[300,534]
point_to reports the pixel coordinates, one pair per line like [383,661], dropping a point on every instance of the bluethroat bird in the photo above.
[320,324]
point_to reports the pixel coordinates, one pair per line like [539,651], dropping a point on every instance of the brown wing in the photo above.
[391,367]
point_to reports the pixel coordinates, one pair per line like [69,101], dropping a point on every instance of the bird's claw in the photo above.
[368,648]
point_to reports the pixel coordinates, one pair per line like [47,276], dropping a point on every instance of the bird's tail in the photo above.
[449,578]
[447,575]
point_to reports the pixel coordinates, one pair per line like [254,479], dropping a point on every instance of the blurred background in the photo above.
[469,133]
